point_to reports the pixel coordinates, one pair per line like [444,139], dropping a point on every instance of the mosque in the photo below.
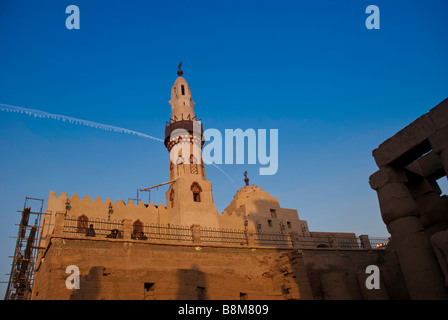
[255,249]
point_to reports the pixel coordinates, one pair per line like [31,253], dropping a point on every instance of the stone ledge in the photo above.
[407,144]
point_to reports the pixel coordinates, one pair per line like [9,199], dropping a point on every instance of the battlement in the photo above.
[100,209]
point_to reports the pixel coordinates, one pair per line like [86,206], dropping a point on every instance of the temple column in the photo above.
[439,143]
[433,208]
[400,213]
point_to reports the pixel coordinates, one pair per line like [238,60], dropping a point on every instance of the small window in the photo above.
[243,296]
[273,213]
[196,189]
[149,286]
[288,223]
[201,293]
[183,89]
[270,223]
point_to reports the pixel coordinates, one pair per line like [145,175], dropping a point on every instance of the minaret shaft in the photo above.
[189,198]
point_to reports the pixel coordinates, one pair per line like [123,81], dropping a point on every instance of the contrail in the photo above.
[96,125]
[223,172]
[43,114]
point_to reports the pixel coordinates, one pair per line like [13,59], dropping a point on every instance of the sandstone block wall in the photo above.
[117,269]
[340,274]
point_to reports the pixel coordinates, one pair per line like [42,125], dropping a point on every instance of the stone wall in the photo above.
[118,269]
[340,274]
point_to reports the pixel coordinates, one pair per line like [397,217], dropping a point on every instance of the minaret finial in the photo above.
[246,179]
[180,72]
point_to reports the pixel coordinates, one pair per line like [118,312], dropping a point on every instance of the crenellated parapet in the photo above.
[103,210]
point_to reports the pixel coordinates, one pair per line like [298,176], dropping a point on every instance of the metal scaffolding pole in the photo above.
[24,259]
[157,190]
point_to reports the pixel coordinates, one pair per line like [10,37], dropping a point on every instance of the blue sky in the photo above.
[311,69]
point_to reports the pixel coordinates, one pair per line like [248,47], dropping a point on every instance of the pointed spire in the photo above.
[180,72]
[181,101]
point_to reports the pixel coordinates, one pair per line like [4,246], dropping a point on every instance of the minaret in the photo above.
[181,102]
[189,198]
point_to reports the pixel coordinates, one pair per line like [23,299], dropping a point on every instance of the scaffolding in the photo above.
[24,259]
[138,199]
[157,191]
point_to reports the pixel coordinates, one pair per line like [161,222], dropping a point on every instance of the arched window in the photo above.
[196,189]
[183,89]
[82,224]
[137,229]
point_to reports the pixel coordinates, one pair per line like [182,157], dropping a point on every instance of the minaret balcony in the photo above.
[192,127]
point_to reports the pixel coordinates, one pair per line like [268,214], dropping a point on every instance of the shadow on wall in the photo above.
[267,215]
[192,284]
[276,281]
[342,275]
[89,285]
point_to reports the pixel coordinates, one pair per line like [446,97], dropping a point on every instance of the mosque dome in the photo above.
[247,190]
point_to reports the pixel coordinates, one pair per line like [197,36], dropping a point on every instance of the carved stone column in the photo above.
[433,208]
[400,213]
